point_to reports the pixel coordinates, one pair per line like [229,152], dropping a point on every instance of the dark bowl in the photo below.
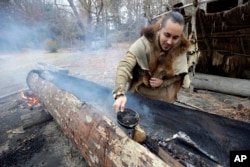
[128,118]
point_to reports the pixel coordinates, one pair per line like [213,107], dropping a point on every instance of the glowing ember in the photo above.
[32,100]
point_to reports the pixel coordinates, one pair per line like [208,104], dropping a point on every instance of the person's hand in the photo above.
[155,82]
[119,103]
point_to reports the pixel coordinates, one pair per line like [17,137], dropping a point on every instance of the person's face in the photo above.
[170,34]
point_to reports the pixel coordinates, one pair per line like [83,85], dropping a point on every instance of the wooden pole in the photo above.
[185,6]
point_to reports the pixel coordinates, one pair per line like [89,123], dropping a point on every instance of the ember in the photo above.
[32,100]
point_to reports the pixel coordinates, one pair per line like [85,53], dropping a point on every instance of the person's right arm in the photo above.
[123,75]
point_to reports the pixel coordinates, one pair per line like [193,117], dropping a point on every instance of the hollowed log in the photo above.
[100,141]
[84,111]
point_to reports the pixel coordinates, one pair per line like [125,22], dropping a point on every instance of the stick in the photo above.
[190,105]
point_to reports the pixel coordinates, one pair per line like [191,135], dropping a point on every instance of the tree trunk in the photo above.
[240,87]
[99,140]
[79,22]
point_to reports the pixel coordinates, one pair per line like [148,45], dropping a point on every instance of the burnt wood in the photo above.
[35,118]
[215,134]
[100,141]
[155,148]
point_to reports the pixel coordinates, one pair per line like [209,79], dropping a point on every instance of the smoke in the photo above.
[16,36]
[28,24]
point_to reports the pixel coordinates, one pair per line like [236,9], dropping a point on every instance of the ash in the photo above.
[41,145]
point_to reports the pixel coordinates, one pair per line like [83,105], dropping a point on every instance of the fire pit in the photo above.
[42,144]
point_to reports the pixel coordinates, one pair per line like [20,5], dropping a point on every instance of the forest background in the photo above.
[75,24]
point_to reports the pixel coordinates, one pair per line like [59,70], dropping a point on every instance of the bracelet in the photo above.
[116,97]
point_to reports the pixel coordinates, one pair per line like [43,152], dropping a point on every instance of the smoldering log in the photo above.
[214,134]
[99,140]
[233,86]
[34,118]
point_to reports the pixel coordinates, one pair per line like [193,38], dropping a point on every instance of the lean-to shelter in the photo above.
[223,38]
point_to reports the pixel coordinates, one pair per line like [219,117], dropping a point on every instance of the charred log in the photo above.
[35,118]
[101,142]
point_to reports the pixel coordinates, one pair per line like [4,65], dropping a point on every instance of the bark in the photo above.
[233,86]
[99,140]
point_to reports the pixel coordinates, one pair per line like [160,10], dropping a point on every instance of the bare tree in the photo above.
[79,21]
[82,19]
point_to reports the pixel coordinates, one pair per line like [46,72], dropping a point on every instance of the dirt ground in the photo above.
[45,144]
[42,145]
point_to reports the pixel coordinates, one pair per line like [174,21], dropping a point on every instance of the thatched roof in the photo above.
[224,41]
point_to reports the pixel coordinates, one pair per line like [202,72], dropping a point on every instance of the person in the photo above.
[155,65]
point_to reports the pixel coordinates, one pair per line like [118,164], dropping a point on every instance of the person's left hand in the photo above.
[155,82]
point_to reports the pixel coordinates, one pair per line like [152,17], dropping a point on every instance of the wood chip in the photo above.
[16,131]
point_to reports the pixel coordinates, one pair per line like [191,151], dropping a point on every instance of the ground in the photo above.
[45,144]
